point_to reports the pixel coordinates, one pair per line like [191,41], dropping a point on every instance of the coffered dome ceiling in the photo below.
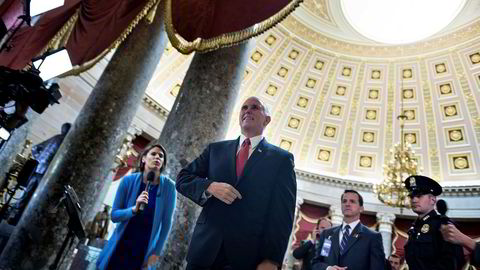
[335,94]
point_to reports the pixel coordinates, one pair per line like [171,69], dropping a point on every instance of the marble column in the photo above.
[86,154]
[336,215]
[14,145]
[385,221]
[290,260]
[199,116]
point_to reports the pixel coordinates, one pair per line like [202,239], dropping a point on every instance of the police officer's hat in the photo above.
[420,185]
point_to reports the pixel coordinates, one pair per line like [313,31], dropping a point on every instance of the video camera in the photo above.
[19,90]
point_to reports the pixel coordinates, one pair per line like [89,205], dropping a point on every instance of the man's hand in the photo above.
[267,265]
[224,192]
[336,268]
[451,234]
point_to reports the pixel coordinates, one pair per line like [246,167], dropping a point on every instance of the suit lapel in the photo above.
[232,160]
[254,159]
[354,236]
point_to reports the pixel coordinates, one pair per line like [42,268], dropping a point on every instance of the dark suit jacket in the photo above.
[251,229]
[364,250]
[305,252]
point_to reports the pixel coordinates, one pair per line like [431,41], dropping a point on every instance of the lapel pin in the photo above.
[355,235]
[260,150]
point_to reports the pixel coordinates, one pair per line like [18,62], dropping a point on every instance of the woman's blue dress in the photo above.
[131,248]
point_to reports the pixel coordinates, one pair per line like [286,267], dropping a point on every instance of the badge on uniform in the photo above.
[327,244]
[425,228]
[412,181]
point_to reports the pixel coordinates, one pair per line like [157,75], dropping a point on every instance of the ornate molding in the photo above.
[450,191]
[151,103]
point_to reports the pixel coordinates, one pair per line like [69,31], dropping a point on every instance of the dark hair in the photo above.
[150,146]
[396,256]
[324,218]
[360,198]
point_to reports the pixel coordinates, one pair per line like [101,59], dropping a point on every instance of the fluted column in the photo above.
[385,221]
[336,214]
[290,260]
[199,116]
[86,154]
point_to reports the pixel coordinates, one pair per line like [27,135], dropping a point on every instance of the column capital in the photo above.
[299,201]
[385,218]
[336,214]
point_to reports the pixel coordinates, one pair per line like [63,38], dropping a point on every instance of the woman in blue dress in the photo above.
[141,235]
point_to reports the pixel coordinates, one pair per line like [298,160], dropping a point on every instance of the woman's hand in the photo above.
[142,198]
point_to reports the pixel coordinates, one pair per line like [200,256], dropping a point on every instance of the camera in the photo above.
[20,90]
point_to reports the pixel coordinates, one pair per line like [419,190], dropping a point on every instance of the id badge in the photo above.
[327,244]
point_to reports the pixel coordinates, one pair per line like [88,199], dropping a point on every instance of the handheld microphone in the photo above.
[150,178]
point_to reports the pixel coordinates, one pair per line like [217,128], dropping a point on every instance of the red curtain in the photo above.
[99,24]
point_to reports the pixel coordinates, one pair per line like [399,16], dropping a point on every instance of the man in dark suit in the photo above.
[247,188]
[306,251]
[351,245]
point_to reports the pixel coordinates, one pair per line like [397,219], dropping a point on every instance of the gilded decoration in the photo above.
[376,74]
[346,72]
[224,40]
[319,65]
[451,40]
[410,114]
[371,115]
[366,161]
[410,138]
[455,135]
[285,144]
[293,54]
[408,94]
[407,73]
[302,102]
[446,89]
[450,111]
[175,90]
[475,58]
[324,155]
[270,40]
[335,110]
[373,94]
[282,72]
[294,123]
[341,90]
[368,137]
[256,56]
[461,162]
[271,90]
[330,131]
[440,68]
[311,83]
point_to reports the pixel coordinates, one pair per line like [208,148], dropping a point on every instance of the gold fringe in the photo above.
[224,40]
[61,38]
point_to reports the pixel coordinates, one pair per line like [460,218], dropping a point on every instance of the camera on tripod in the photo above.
[20,90]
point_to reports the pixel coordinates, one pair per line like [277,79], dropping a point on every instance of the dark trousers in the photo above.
[221,263]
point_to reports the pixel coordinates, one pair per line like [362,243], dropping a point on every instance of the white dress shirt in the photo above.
[352,227]
[254,141]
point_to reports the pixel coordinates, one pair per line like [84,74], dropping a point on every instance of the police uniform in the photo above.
[425,248]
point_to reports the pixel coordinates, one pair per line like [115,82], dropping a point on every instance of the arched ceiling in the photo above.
[334,95]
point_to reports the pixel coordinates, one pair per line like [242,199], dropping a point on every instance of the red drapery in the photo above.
[98,25]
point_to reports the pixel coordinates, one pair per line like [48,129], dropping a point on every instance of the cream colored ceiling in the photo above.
[335,95]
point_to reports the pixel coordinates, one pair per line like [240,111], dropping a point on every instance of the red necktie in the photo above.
[242,156]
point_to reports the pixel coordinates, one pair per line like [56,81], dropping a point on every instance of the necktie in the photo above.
[242,156]
[346,234]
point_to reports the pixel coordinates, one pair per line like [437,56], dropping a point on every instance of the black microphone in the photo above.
[442,208]
[150,178]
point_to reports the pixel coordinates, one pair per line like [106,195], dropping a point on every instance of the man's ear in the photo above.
[267,120]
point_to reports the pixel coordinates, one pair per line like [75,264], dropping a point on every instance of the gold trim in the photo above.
[61,38]
[224,40]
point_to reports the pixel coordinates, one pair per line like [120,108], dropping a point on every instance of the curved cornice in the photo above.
[450,191]
[449,41]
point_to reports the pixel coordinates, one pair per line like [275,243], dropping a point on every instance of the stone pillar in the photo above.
[14,145]
[86,154]
[199,116]
[385,221]
[336,214]
[290,260]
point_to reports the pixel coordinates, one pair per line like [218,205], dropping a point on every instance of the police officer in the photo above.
[426,249]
